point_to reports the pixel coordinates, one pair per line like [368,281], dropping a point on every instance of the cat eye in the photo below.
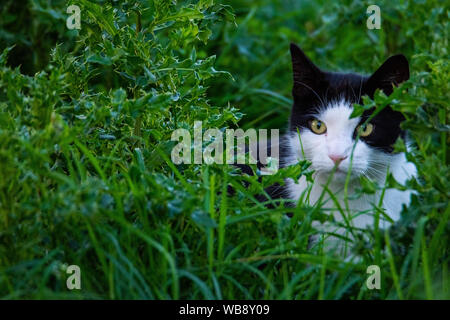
[317,126]
[365,129]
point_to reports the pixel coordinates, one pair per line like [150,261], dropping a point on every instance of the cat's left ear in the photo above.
[393,71]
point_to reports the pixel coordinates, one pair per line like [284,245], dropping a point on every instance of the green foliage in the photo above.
[86,119]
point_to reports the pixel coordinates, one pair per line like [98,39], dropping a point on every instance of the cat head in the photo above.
[323,103]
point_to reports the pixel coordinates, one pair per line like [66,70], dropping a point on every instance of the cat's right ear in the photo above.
[306,74]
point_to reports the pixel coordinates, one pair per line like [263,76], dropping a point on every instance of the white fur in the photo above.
[366,161]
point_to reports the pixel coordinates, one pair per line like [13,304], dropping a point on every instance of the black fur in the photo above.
[314,88]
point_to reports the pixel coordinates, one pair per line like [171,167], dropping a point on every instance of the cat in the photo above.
[322,132]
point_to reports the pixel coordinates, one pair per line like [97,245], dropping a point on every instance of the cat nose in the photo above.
[336,158]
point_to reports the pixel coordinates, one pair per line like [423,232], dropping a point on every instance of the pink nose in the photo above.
[336,159]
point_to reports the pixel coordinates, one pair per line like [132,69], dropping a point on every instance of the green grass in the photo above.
[85,172]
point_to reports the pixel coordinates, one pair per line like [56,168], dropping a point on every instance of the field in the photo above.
[86,177]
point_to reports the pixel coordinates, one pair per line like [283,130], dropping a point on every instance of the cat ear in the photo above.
[306,74]
[393,71]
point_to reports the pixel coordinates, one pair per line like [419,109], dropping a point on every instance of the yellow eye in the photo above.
[317,126]
[365,129]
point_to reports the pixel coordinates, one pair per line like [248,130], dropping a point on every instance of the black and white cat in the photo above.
[321,131]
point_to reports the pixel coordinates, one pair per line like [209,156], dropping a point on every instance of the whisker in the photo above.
[304,84]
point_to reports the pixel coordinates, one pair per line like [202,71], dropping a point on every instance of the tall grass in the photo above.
[85,171]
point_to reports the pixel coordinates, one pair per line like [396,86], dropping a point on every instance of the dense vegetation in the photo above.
[86,118]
